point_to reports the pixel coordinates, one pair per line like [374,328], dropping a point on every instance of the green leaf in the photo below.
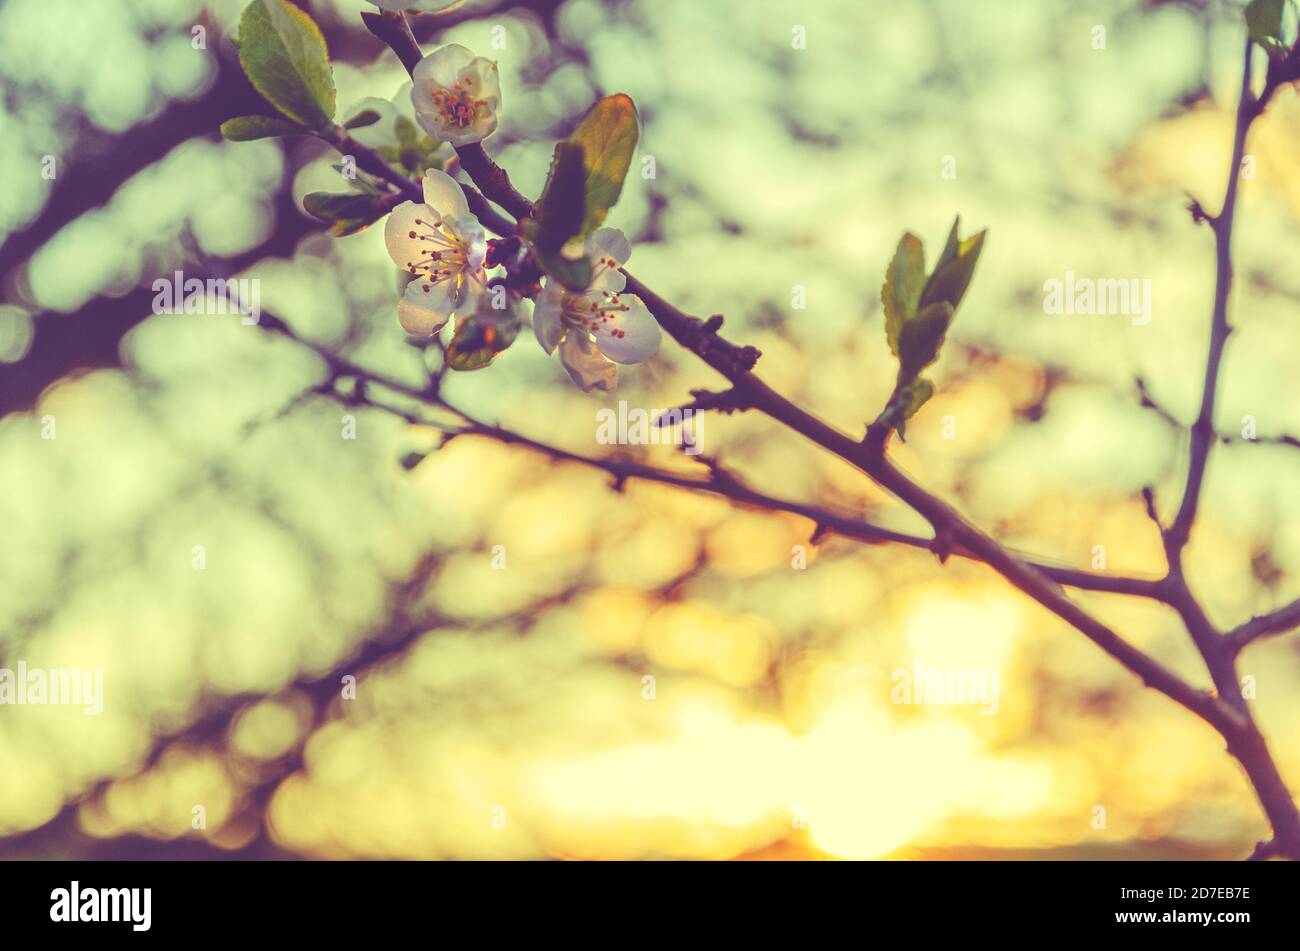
[413,150]
[921,338]
[905,402]
[561,210]
[408,134]
[915,395]
[919,311]
[573,273]
[480,338]
[347,213]
[608,135]
[284,56]
[362,119]
[904,280]
[910,399]
[951,246]
[1264,21]
[953,274]
[247,128]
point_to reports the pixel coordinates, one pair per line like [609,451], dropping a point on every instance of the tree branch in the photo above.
[1245,740]
[736,364]
[622,469]
[1224,709]
[1281,621]
[1203,429]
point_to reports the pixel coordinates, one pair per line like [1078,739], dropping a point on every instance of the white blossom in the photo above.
[456,95]
[601,326]
[443,246]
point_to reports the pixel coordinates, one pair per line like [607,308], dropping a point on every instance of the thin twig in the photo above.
[1219,652]
[952,531]
[1224,709]
[1282,621]
[622,469]
[1203,429]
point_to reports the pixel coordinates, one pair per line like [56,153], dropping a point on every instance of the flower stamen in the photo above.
[587,312]
[439,265]
[456,106]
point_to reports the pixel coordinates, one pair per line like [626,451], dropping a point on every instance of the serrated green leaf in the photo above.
[284,56]
[951,278]
[248,128]
[608,135]
[921,338]
[561,210]
[904,280]
[917,322]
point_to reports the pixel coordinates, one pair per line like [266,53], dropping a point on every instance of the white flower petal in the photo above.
[456,95]
[424,308]
[605,280]
[609,243]
[482,84]
[547,324]
[443,195]
[483,81]
[403,248]
[465,290]
[430,119]
[586,366]
[628,336]
[473,233]
[442,65]
[476,131]
[607,249]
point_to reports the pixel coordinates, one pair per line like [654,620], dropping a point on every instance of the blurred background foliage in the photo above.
[503,713]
